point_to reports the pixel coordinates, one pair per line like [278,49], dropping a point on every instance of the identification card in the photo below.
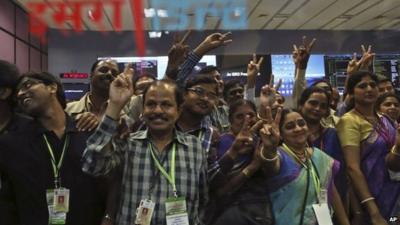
[55,218]
[176,211]
[322,213]
[144,212]
[61,200]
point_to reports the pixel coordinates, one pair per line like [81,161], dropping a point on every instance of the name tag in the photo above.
[56,217]
[176,212]
[144,212]
[322,213]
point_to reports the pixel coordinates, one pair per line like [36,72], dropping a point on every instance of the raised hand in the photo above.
[213,41]
[243,143]
[270,135]
[121,89]
[252,70]
[301,54]
[268,94]
[177,54]
[364,63]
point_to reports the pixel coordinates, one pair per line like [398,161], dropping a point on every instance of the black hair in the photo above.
[240,102]
[208,70]
[322,81]
[201,79]
[143,74]
[305,95]
[94,65]
[383,97]
[230,84]
[9,75]
[284,114]
[355,78]
[177,91]
[48,79]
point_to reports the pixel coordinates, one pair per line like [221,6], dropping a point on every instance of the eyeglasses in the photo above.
[236,92]
[292,124]
[316,103]
[364,85]
[27,84]
[203,93]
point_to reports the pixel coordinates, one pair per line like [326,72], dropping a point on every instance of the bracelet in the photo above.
[367,200]
[267,159]
[393,151]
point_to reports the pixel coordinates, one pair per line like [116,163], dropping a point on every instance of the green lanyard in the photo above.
[315,177]
[56,167]
[171,176]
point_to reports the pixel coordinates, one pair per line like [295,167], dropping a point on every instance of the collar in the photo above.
[177,135]
[205,124]
[70,126]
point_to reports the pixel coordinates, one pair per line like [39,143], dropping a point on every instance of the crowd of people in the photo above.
[192,149]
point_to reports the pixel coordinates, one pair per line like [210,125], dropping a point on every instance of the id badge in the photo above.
[144,212]
[55,218]
[176,212]
[61,200]
[321,210]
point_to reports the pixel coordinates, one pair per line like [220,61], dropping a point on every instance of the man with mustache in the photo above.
[43,160]
[162,166]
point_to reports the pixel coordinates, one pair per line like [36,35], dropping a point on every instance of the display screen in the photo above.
[74,91]
[284,68]
[74,75]
[235,67]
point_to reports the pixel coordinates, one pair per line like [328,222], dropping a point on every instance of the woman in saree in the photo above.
[304,176]
[389,104]
[313,106]
[366,139]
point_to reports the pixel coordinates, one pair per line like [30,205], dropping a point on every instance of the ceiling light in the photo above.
[155,34]
[151,12]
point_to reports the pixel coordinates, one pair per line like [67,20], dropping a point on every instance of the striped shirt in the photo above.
[140,173]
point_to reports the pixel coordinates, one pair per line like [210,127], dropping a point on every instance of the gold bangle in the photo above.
[267,159]
[393,151]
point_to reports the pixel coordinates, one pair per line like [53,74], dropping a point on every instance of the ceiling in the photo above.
[259,14]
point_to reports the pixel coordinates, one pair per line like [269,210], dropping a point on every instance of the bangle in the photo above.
[267,159]
[367,200]
[394,152]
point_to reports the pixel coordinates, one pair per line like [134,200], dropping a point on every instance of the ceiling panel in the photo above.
[328,15]
[372,12]
[310,9]
[264,12]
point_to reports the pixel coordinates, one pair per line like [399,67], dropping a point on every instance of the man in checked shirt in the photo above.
[159,163]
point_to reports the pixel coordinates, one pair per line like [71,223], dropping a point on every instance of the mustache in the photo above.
[107,76]
[157,116]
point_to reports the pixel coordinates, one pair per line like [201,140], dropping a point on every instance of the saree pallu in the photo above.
[329,143]
[288,188]
[373,152]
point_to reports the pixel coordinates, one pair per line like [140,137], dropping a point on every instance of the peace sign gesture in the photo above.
[177,54]
[268,94]
[301,54]
[269,133]
[243,143]
[252,70]
[213,41]
[365,61]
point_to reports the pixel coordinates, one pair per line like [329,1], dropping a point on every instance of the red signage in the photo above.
[74,75]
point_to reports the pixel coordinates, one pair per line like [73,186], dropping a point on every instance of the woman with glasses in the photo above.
[313,106]
[366,139]
[303,183]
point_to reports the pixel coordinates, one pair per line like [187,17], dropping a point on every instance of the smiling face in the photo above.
[234,93]
[200,99]
[160,109]
[390,107]
[238,117]
[294,130]
[104,73]
[33,95]
[315,107]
